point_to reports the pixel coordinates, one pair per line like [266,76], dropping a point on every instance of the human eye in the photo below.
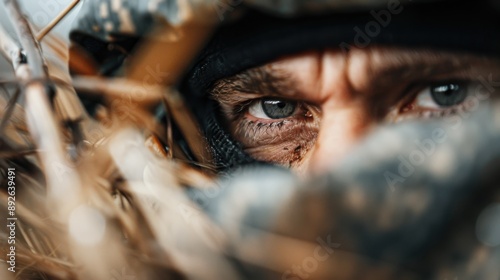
[275,129]
[272,109]
[443,95]
[439,99]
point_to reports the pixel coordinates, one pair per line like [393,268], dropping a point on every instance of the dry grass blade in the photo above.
[57,45]
[8,111]
[188,126]
[17,154]
[138,93]
[41,34]
[27,40]
[199,21]
[154,184]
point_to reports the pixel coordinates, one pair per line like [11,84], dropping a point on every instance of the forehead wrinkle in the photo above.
[403,65]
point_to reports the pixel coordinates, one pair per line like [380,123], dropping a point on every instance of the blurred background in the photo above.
[40,13]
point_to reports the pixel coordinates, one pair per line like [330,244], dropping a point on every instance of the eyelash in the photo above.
[264,125]
[404,113]
[438,114]
[243,111]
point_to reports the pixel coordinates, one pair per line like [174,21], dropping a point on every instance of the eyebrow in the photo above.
[423,64]
[395,68]
[264,80]
[235,93]
[409,68]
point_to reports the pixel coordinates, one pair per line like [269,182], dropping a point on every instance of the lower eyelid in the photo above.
[409,107]
[254,125]
[270,122]
[253,133]
[300,112]
[429,113]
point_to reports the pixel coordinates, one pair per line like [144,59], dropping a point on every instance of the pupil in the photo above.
[448,95]
[278,109]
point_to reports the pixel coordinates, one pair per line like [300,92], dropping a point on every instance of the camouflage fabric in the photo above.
[104,18]
[414,201]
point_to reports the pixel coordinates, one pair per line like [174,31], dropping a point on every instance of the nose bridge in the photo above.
[341,129]
[338,84]
[345,111]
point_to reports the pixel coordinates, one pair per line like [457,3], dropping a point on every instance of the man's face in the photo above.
[308,110]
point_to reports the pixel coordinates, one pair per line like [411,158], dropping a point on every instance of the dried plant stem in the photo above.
[27,40]
[135,92]
[56,20]
[188,126]
[41,121]
[8,112]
